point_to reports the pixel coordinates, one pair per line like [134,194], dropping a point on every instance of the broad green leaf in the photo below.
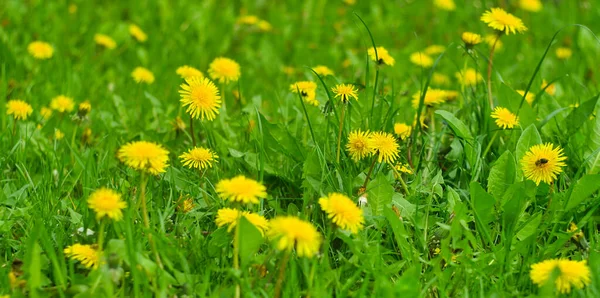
[530,228]
[380,193]
[34,269]
[593,143]
[582,190]
[483,203]
[250,240]
[400,234]
[529,137]
[514,202]
[502,174]
[579,115]
[459,128]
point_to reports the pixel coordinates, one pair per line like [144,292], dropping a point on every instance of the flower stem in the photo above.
[101,235]
[339,142]
[143,182]
[236,253]
[374,94]
[490,144]
[281,276]
[370,170]
[489,72]
[192,131]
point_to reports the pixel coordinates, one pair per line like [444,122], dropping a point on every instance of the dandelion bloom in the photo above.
[84,109]
[570,274]
[241,189]
[531,5]
[248,20]
[505,118]
[434,97]
[543,162]
[289,232]
[501,20]
[323,70]
[40,50]
[186,205]
[402,130]
[345,92]
[529,98]
[563,53]
[137,33]
[577,233]
[19,109]
[343,212]
[62,104]
[105,41]
[143,75]
[403,168]
[440,79]
[471,39]
[229,217]
[385,146]
[264,26]
[421,59]
[199,158]
[224,70]
[46,113]
[86,254]
[469,77]
[382,56]
[549,88]
[144,156]
[445,4]
[308,91]
[434,49]
[186,72]
[58,134]
[358,145]
[106,202]
[202,98]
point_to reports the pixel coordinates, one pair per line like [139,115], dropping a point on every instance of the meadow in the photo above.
[406,148]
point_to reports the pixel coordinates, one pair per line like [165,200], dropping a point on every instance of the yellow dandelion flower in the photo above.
[358,145]
[343,212]
[202,98]
[471,39]
[435,49]
[505,118]
[229,217]
[308,91]
[490,39]
[385,146]
[46,113]
[543,162]
[421,59]
[62,104]
[137,33]
[58,134]
[563,53]
[577,233]
[570,274]
[143,75]
[224,70]
[241,189]
[40,50]
[382,57]
[434,97]
[144,156]
[198,158]
[549,88]
[529,98]
[323,70]
[440,79]
[187,72]
[403,168]
[288,70]
[106,202]
[264,26]
[185,205]
[84,109]
[500,20]
[345,92]
[72,8]
[19,109]
[248,20]
[445,4]
[531,5]
[289,232]
[105,41]
[86,254]
[469,77]
[402,130]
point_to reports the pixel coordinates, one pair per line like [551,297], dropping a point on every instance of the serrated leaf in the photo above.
[582,190]
[502,174]
[380,193]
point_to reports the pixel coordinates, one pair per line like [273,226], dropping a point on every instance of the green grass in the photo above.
[489,223]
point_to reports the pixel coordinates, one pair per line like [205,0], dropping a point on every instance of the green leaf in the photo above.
[583,189]
[250,240]
[459,128]
[400,234]
[380,193]
[529,137]
[530,228]
[514,199]
[483,203]
[579,115]
[592,156]
[502,174]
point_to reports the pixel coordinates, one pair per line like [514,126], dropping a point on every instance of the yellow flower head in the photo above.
[345,92]
[543,162]
[551,89]
[224,70]
[323,70]
[421,59]
[382,56]
[563,53]
[58,134]
[531,5]
[577,233]
[199,158]
[264,26]
[403,168]
[19,109]
[142,75]
[144,156]
[40,50]
[248,20]
[434,50]
[107,202]
[358,145]
[343,212]
[229,217]
[490,39]
[529,98]
[471,39]
[46,113]
[186,72]
[105,41]
[137,33]
[185,205]
[434,97]
[86,254]
[201,97]
[445,4]
[241,189]
[500,20]
[385,146]
[505,118]
[62,104]
[308,91]
[402,130]
[570,274]
[289,232]
[440,79]
[84,108]
[469,77]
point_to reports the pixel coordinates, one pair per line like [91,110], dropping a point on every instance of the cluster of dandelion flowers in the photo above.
[381,57]
[308,91]
[571,274]
[187,71]
[224,70]
[343,212]
[199,158]
[62,104]
[289,232]
[106,202]
[543,162]
[86,254]
[469,77]
[229,217]
[505,118]
[358,145]
[385,146]
[105,41]
[345,92]
[137,33]
[201,97]
[470,39]
[19,109]
[241,189]
[142,75]
[500,20]
[323,70]
[402,130]
[40,50]
[144,156]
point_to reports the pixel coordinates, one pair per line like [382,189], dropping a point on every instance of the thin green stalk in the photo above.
[370,170]
[339,142]
[143,183]
[489,145]
[192,131]
[489,72]
[236,253]
[281,276]
[101,238]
